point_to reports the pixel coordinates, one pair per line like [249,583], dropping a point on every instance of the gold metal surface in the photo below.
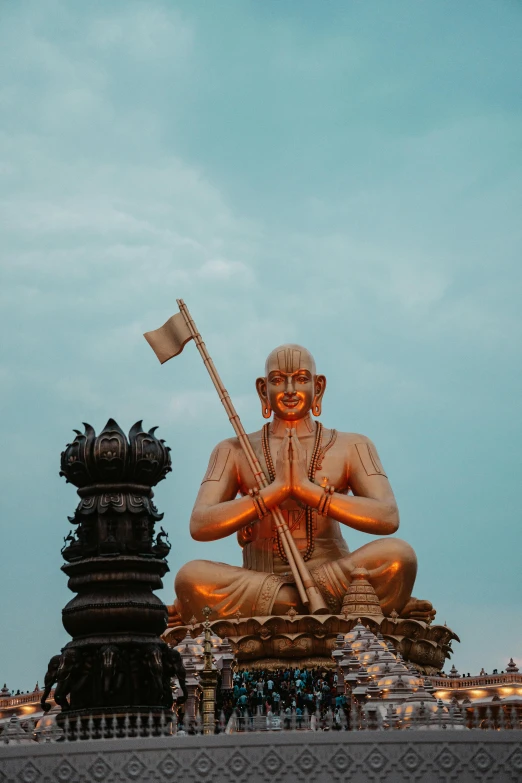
[349,487]
[308,592]
[292,637]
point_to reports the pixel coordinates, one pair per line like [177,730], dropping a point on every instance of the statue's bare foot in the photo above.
[174,616]
[416,609]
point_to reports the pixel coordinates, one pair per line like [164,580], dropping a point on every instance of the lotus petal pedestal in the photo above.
[308,640]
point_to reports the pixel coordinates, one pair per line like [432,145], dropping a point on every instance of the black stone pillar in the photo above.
[116,662]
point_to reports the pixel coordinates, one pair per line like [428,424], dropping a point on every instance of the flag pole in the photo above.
[308,591]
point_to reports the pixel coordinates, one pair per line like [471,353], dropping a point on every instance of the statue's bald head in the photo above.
[291,387]
[290,358]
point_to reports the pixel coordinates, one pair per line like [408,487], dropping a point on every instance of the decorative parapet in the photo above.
[476,682]
[23,698]
[290,756]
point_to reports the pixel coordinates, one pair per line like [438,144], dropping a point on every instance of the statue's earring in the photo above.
[266,408]
[320,386]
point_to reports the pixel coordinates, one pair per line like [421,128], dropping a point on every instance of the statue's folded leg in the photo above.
[392,567]
[226,589]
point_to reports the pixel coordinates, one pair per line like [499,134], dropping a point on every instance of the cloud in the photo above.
[221,269]
[289,189]
[144,31]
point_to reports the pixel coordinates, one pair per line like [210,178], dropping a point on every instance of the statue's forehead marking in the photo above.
[289,360]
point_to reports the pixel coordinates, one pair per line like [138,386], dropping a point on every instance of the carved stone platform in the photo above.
[289,640]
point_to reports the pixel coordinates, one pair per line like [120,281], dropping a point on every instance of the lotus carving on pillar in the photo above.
[112,458]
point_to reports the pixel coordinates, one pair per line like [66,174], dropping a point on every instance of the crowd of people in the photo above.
[288,694]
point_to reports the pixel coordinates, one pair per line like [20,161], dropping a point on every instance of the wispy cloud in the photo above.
[343,180]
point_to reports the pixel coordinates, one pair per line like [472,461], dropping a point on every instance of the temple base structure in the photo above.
[272,642]
[308,640]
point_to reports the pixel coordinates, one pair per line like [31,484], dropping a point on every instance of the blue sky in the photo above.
[345,175]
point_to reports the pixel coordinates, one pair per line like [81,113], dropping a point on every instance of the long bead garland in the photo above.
[265,440]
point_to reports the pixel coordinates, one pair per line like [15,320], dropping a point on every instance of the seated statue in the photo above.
[321,479]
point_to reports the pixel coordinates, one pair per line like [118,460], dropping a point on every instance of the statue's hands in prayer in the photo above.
[299,465]
[283,471]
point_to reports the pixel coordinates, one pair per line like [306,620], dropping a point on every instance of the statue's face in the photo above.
[291,384]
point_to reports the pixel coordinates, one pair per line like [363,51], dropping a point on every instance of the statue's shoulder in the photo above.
[228,445]
[361,451]
[255,438]
[351,438]
[223,457]
[233,447]
[353,442]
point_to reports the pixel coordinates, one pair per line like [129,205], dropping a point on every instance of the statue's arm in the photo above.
[218,512]
[372,508]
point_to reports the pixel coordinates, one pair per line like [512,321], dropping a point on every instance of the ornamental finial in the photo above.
[113,458]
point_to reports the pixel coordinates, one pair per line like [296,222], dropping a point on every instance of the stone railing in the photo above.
[370,717]
[303,756]
[22,698]
[449,683]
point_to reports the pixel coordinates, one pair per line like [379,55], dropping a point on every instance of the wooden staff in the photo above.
[308,591]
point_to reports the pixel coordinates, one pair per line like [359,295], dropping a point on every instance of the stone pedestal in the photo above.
[308,640]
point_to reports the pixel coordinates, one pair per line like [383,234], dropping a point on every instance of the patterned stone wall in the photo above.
[306,757]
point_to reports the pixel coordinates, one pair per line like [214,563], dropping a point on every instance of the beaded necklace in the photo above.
[314,463]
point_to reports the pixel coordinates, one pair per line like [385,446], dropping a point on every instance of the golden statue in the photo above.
[321,479]
[284,491]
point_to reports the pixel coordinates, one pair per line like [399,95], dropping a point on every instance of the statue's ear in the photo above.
[266,410]
[320,388]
